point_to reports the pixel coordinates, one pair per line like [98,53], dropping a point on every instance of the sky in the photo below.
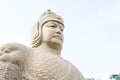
[91,35]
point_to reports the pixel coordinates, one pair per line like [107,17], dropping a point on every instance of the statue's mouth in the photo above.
[57,37]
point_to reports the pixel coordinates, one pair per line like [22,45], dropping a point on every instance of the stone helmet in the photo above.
[36,35]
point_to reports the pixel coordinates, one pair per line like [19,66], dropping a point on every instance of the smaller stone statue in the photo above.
[41,61]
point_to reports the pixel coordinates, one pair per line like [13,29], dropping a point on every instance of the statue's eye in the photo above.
[62,29]
[52,25]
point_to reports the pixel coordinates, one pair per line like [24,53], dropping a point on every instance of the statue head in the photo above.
[37,28]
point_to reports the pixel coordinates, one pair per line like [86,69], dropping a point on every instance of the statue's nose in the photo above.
[58,31]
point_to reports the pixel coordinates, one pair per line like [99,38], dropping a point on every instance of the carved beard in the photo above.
[55,45]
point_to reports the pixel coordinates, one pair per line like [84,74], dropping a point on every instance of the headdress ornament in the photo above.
[50,16]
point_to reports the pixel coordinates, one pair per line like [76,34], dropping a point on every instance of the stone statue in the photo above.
[41,61]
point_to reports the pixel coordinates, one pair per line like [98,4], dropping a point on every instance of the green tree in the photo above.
[115,76]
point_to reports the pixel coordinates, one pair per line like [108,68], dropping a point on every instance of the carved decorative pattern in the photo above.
[48,67]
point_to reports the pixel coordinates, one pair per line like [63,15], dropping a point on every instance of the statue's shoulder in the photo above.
[12,58]
[12,44]
[14,52]
[73,72]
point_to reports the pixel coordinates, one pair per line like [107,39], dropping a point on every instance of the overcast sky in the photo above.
[92,31]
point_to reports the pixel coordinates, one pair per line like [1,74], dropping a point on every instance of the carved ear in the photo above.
[35,35]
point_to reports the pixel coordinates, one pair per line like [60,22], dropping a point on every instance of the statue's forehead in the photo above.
[50,16]
[55,22]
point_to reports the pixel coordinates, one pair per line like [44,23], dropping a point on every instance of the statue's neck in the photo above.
[46,48]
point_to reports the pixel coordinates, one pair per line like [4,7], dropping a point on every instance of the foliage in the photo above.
[115,76]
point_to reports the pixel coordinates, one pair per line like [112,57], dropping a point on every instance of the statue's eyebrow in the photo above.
[54,23]
[61,25]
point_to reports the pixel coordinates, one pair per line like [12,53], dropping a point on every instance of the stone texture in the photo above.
[9,71]
[41,61]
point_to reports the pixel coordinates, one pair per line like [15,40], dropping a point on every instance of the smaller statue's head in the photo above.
[48,29]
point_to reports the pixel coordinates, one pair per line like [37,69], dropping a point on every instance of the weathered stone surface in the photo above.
[41,61]
[9,71]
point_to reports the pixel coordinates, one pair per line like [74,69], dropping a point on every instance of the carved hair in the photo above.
[36,35]
[37,27]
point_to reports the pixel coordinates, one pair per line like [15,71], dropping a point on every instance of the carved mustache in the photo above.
[58,37]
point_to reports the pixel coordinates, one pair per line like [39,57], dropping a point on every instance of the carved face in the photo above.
[52,33]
